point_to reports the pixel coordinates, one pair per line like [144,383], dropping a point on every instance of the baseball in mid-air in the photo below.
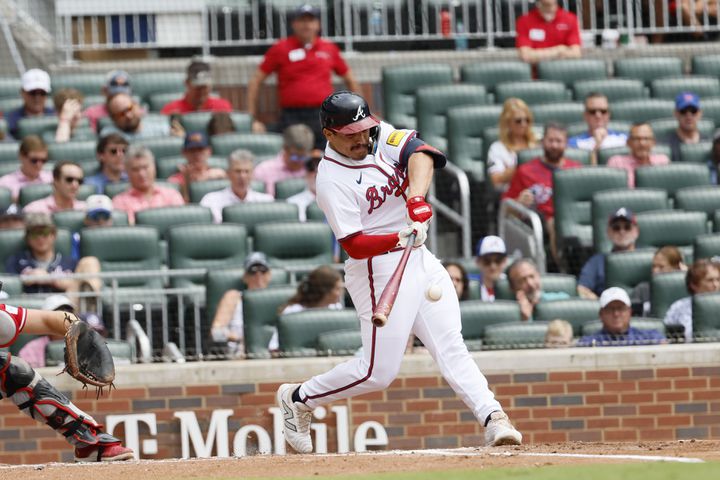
[433,292]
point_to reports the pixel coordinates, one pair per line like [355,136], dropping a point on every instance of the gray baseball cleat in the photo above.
[499,431]
[297,417]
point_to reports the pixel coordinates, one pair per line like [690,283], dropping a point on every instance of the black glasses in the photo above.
[79,180]
[115,151]
[619,227]
[37,93]
[38,160]
[99,216]
[595,111]
[257,269]
[691,110]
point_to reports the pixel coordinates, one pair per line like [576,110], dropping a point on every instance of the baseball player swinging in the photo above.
[371,185]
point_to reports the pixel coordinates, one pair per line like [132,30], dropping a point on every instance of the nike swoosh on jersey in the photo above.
[359,180]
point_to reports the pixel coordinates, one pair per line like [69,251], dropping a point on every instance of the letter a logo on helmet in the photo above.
[359,114]
[347,113]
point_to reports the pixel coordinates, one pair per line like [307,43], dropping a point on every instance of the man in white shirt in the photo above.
[598,136]
[307,196]
[240,172]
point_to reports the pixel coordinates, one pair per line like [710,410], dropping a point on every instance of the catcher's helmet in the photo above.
[346,112]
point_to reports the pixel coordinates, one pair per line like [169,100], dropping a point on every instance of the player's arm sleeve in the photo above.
[400,144]
[11,324]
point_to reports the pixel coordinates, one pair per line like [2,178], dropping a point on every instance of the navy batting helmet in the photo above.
[346,112]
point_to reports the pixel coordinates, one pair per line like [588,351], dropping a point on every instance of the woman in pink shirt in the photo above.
[641,142]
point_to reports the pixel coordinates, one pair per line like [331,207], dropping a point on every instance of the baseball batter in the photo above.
[35,397]
[371,185]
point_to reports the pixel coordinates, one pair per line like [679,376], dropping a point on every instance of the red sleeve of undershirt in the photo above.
[363,246]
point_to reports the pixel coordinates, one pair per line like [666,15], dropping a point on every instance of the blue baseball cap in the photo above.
[685,100]
[196,140]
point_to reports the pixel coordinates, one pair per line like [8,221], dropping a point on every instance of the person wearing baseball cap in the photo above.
[117,81]
[491,260]
[615,313]
[35,87]
[198,86]
[622,231]
[197,151]
[98,213]
[688,114]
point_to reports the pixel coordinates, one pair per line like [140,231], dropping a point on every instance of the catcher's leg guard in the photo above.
[35,397]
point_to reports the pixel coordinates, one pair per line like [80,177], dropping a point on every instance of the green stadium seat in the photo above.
[672,177]
[12,241]
[706,65]
[22,340]
[582,156]
[74,151]
[399,84]
[711,109]
[167,166]
[112,189]
[37,125]
[158,100]
[262,145]
[9,154]
[670,227]
[551,282]
[476,315]
[615,89]
[3,128]
[669,88]
[641,323]
[466,147]
[72,220]
[148,83]
[706,321]
[432,105]
[642,110]
[162,147]
[606,202]
[10,86]
[491,74]
[287,188]
[314,213]
[298,332]
[663,127]
[648,69]
[533,93]
[123,249]
[698,199]
[6,168]
[607,153]
[164,218]
[696,152]
[123,352]
[30,193]
[205,246]
[339,342]
[665,288]
[86,83]
[294,243]
[563,112]
[573,192]
[571,71]
[11,103]
[576,311]
[199,189]
[260,314]
[628,269]
[515,335]
[5,199]
[706,246]
[198,121]
[257,213]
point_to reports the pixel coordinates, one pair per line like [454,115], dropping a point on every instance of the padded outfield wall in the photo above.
[620,394]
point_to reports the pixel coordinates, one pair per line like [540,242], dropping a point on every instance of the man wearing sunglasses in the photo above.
[688,114]
[34,91]
[598,136]
[623,232]
[67,179]
[110,153]
[33,155]
[298,141]
[129,120]
[491,260]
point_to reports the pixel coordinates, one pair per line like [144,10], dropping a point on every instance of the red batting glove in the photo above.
[418,209]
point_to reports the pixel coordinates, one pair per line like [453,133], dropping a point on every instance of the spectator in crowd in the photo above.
[547,32]
[598,136]
[67,178]
[305,198]
[688,114]
[10,221]
[41,258]
[240,172]
[110,152]
[703,276]
[622,231]
[615,313]
[491,260]
[35,87]
[532,184]
[98,213]
[198,86]
[143,192]
[118,81]
[693,14]
[322,288]
[526,284]
[641,142]
[68,103]
[304,64]
[714,159]
[460,279]
[666,259]
[298,141]
[516,133]
[129,121]
[196,151]
[227,325]
[220,123]
[559,334]
[33,154]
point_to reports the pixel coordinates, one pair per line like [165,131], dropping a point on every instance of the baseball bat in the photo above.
[388,296]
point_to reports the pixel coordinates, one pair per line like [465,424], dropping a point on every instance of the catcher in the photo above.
[87,359]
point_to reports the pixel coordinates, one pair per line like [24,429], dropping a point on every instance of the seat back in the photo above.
[628,269]
[37,125]
[706,246]
[399,84]
[615,89]
[164,218]
[477,315]
[253,214]
[73,220]
[551,282]
[298,332]
[74,151]
[698,199]
[665,288]
[672,177]
[711,109]
[669,88]
[198,121]
[576,311]
[466,126]
[5,199]
[641,110]
[696,152]
[572,70]
[285,189]
[663,127]
[532,92]
[260,317]
[9,153]
[641,323]
[146,84]
[670,227]
[563,112]
[163,147]
[606,202]
[262,145]
[294,243]
[515,335]
[86,83]
[706,321]
[339,342]
[648,69]
[491,74]
[199,189]
[205,246]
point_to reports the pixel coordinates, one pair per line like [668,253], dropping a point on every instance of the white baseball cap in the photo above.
[35,79]
[53,302]
[98,203]
[491,244]
[614,294]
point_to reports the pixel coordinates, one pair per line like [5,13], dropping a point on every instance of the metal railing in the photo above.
[522,230]
[151,24]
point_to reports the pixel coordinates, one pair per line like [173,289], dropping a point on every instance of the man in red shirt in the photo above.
[304,64]
[532,184]
[198,86]
[547,32]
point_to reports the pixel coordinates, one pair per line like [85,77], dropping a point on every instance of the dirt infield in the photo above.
[335,464]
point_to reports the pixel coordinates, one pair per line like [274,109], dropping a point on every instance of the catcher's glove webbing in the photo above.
[87,357]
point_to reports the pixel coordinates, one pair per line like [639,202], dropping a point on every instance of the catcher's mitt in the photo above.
[87,357]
